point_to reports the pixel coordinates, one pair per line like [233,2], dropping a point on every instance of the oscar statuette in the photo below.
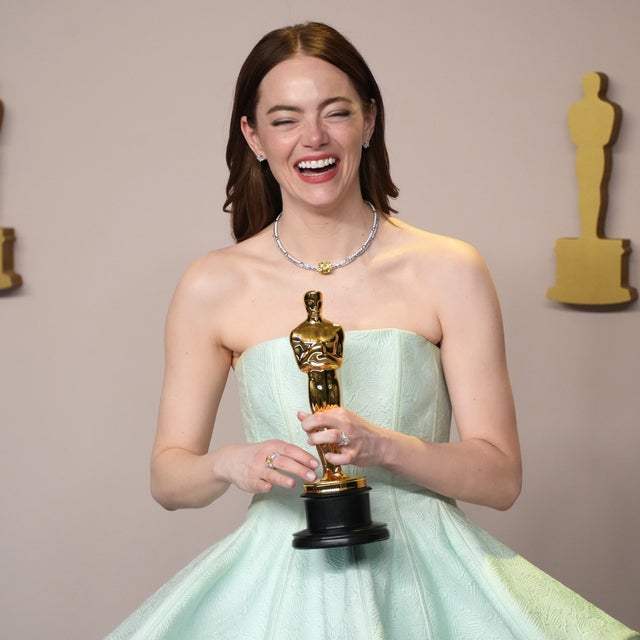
[337,506]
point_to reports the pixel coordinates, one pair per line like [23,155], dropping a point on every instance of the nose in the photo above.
[315,134]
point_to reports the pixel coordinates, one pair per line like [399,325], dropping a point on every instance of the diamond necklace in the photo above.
[325,267]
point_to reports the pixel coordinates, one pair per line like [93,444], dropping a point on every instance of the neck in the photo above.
[314,235]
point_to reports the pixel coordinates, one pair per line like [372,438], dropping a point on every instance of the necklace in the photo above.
[325,267]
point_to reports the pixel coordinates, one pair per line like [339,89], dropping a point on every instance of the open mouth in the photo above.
[316,167]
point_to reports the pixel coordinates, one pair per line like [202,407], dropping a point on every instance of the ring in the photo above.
[344,439]
[269,459]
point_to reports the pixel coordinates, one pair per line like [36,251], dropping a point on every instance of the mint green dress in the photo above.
[438,577]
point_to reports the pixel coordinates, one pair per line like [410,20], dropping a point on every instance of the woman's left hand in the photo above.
[359,442]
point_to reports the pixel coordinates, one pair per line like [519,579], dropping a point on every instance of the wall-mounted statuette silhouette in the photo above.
[9,279]
[593,269]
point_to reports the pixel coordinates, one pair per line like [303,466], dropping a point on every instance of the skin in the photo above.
[410,279]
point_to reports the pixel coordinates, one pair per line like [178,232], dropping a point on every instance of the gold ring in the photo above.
[269,459]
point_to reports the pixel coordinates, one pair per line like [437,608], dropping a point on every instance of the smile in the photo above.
[314,167]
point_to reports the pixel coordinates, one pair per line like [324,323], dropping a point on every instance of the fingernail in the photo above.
[311,475]
[313,463]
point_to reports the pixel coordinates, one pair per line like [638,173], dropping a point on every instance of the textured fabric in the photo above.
[438,577]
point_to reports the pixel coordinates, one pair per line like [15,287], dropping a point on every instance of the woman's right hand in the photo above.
[185,471]
[257,468]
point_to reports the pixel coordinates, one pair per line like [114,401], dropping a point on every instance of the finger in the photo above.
[300,456]
[276,448]
[325,436]
[284,464]
[290,460]
[338,458]
[280,479]
[329,419]
[262,486]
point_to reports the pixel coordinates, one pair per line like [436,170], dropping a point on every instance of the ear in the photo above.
[251,136]
[371,111]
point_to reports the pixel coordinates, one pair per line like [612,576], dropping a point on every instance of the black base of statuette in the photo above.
[338,520]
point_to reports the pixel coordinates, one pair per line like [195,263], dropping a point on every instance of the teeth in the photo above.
[316,164]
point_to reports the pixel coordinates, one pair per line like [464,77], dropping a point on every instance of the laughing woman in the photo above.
[309,194]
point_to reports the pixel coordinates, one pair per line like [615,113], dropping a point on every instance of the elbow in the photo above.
[164,502]
[160,488]
[510,491]
[161,496]
[507,501]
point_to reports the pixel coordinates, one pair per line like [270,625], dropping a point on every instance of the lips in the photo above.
[316,166]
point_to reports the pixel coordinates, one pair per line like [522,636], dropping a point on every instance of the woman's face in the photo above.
[310,125]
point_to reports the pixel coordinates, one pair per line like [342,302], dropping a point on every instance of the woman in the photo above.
[307,140]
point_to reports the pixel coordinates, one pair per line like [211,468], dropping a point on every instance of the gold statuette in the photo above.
[317,345]
[337,505]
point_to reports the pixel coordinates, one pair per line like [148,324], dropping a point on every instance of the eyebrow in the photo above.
[323,104]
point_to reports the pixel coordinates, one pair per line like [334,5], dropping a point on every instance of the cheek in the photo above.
[278,147]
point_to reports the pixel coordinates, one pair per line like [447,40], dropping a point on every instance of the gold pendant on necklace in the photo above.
[325,267]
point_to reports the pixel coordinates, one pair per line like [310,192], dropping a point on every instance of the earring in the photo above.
[365,144]
[260,158]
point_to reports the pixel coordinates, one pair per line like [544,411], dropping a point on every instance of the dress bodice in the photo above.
[390,377]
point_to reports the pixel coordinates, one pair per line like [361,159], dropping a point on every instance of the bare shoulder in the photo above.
[434,279]
[206,299]
[218,274]
[463,291]
[443,256]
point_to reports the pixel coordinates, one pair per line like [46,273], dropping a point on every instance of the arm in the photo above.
[486,463]
[485,466]
[184,473]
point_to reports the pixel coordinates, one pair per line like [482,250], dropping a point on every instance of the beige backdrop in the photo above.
[112,173]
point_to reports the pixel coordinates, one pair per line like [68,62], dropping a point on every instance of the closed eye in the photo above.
[339,114]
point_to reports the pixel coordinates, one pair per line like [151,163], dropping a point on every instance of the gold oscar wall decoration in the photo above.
[9,279]
[593,269]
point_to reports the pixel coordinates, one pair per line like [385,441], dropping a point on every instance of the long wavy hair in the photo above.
[253,195]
